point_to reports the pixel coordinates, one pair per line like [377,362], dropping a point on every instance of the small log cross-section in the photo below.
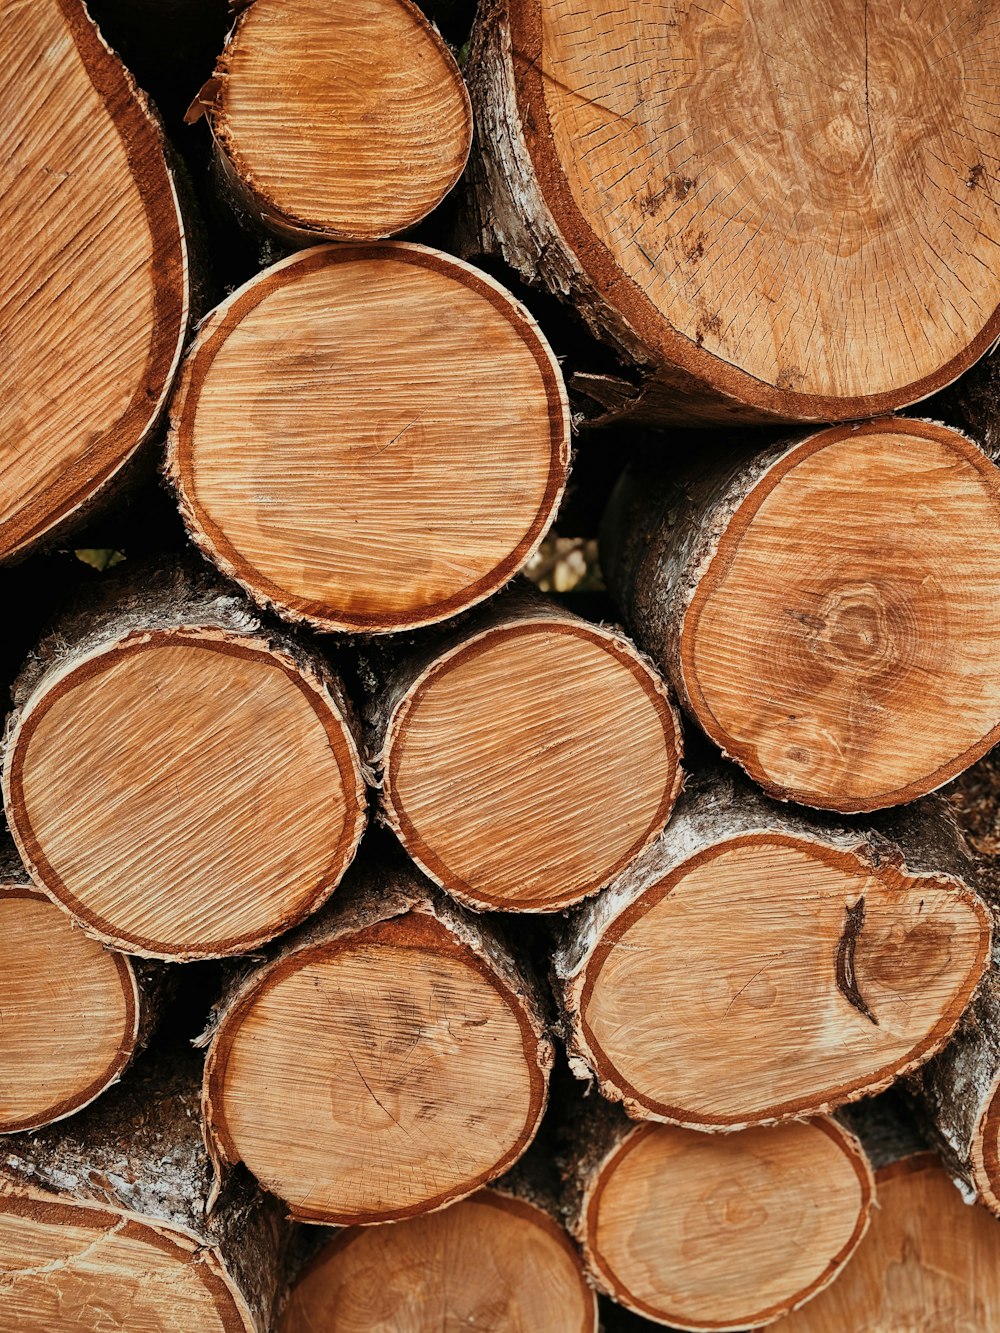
[94,287]
[74,1014]
[770,211]
[928,1262]
[183,780]
[391,1059]
[493,1261]
[103,1222]
[842,650]
[708,1231]
[529,760]
[369,438]
[339,118]
[756,964]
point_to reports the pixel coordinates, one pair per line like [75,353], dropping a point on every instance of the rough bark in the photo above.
[457,868]
[182,604]
[372,899]
[831,640]
[137,1158]
[955,1094]
[914,856]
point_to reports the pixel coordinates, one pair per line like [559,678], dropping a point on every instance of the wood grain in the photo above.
[774,212]
[347,119]
[94,293]
[531,760]
[370,438]
[492,1262]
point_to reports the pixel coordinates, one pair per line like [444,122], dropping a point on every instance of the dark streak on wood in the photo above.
[854,919]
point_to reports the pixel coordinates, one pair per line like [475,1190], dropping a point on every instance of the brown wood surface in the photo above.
[390,1059]
[772,212]
[94,288]
[345,119]
[369,438]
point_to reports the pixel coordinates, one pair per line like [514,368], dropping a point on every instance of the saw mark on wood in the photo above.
[854,919]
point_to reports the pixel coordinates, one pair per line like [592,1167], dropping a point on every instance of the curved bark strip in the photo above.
[927,1262]
[509,757]
[660,167]
[369,438]
[707,1231]
[757,964]
[75,1014]
[180,778]
[348,120]
[108,1213]
[95,309]
[494,1260]
[957,1094]
[826,645]
[392,1058]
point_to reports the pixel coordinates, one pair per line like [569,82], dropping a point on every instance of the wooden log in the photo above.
[369,438]
[392,1058]
[103,1219]
[707,1231]
[527,759]
[826,645]
[180,777]
[758,964]
[927,1262]
[662,170]
[75,1014]
[957,1096]
[348,120]
[495,1260]
[94,293]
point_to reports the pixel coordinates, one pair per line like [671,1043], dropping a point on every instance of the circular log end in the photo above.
[844,652]
[380,1075]
[370,438]
[347,119]
[929,1261]
[512,764]
[838,974]
[244,800]
[703,1231]
[491,1261]
[796,213]
[99,294]
[70,1013]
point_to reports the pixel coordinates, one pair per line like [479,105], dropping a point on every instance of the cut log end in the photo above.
[838,972]
[378,1075]
[492,1261]
[98,293]
[512,761]
[70,1013]
[735,248]
[347,119]
[65,1264]
[929,1261]
[701,1231]
[370,438]
[245,798]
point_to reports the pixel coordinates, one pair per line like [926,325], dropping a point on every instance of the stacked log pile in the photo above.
[388,944]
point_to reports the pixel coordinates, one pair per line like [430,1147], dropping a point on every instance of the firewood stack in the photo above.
[387,943]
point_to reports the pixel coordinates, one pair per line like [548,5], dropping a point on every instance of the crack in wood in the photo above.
[854,919]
